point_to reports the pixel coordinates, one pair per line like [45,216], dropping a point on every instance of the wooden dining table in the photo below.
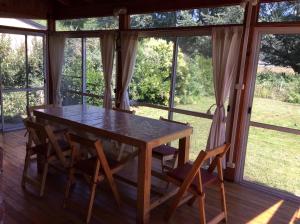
[141,132]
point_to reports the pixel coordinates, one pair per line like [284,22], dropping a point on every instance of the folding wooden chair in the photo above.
[30,110]
[166,152]
[193,178]
[121,146]
[95,169]
[42,143]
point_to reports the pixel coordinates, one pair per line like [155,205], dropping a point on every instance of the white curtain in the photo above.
[226,47]
[128,49]
[56,61]
[107,53]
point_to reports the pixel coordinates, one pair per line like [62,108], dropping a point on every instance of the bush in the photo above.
[279,86]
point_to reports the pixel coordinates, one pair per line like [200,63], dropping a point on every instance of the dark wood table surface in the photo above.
[144,133]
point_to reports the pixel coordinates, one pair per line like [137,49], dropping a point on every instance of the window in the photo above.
[22,77]
[151,80]
[83,80]
[283,11]
[186,61]
[101,23]
[24,23]
[194,17]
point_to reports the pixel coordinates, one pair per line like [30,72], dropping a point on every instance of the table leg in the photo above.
[184,150]
[144,184]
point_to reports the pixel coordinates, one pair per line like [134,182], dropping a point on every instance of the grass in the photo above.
[272,158]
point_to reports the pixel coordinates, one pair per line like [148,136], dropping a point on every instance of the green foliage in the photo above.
[279,86]
[151,80]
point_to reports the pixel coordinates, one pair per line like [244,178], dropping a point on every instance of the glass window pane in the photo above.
[70,98]
[282,11]
[151,79]
[72,71]
[201,128]
[12,59]
[37,24]
[272,159]
[150,112]
[278,81]
[96,101]
[194,89]
[193,17]
[36,98]
[94,71]
[35,47]
[14,109]
[101,23]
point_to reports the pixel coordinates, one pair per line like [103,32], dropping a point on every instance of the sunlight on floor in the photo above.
[266,216]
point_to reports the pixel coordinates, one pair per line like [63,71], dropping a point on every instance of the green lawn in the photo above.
[272,158]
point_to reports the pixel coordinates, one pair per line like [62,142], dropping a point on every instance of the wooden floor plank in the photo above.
[245,205]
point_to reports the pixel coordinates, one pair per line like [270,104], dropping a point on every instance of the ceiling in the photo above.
[63,9]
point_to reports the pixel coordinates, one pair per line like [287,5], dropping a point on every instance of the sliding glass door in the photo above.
[273,147]
[22,76]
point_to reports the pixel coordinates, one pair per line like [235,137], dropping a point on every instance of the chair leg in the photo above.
[91,202]
[201,200]
[114,189]
[44,177]
[68,187]
[223,198]
[162,162]
[174,205]
[26,166]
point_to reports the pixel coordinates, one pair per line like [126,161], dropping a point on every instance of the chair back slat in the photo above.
[30,109]
[73,138]
[124,111]
[36,131]
[54,143]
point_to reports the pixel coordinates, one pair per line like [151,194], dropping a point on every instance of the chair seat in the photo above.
[87,166]
[164,150]
[180,173]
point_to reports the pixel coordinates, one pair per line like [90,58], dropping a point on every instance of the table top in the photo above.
[127,128]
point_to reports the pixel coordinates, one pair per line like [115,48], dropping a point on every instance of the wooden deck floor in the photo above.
[22,206]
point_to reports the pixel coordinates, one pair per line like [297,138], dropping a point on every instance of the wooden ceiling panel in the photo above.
[35,9]
[95,8]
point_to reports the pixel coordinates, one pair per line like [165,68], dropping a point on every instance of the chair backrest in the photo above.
[217,154]
[83,143]
[125,111]
[37,133]
[175,122]
[32,108]
[53,140]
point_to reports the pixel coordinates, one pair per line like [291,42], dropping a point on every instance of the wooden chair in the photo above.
[95,169]
[166,152]
[30,110]
[121,146]
[193,178]
[46,146]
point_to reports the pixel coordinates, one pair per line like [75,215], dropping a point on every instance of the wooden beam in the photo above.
[242,103]
[123,25]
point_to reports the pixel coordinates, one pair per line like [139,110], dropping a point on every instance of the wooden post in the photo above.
[124,21]
[236,130]
[51,28]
